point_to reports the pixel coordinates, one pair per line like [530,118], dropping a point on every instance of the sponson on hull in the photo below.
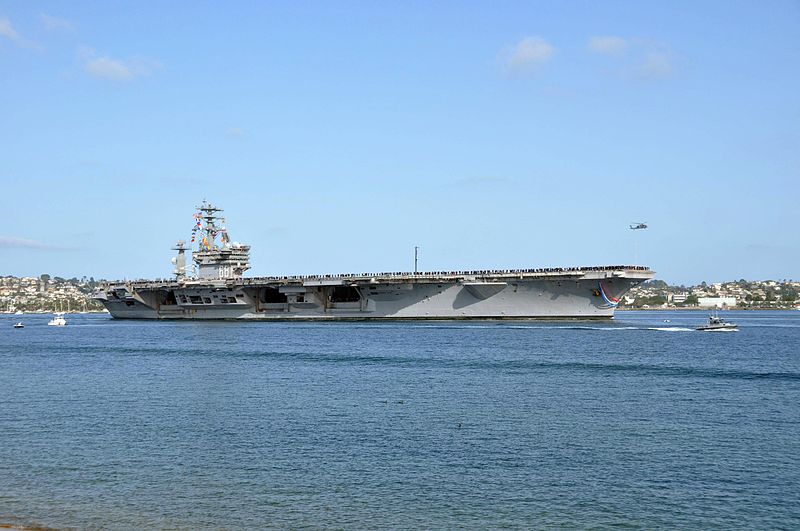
[217,290]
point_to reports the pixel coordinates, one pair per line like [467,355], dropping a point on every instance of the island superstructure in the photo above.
[217,289]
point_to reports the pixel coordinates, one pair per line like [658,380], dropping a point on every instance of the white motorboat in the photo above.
[57,320]
[19,325]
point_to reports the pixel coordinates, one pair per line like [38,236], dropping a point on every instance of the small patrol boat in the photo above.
[19,325]
[717,324]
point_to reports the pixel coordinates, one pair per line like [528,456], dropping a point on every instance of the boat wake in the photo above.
[545,327]
[617,328]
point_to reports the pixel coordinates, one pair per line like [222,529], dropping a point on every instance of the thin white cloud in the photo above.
[644,59]
[107,68]
[52,23]
[104,67]
[608,45]
[527,55]
[10,242]
[8,31]
[657,65]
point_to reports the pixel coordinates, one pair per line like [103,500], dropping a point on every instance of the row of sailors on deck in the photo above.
[458,273]
[434,273]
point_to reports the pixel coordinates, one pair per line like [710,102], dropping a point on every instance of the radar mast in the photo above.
[179,260]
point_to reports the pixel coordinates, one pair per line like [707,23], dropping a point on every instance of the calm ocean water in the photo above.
[636,423]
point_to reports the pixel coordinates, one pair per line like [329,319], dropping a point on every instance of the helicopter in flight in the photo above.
[636,225]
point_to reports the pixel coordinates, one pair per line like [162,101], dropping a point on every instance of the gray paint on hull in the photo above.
[521,299]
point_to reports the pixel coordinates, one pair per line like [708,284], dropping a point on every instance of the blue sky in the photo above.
[338,136]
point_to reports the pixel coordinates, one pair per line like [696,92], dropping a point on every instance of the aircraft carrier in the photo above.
[216,289]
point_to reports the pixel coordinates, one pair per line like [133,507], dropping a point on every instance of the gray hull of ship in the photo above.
[499,297]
